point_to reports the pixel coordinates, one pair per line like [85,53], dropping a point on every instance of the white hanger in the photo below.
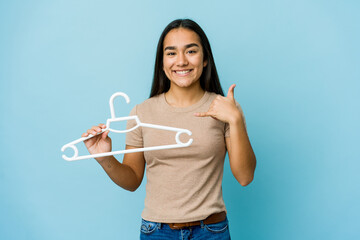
[115,119]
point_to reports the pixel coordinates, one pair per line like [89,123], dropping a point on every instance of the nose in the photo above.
[181,60]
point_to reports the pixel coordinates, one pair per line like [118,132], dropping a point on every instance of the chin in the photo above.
[184,84]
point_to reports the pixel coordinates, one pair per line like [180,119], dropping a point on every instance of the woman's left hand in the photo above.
[223,108]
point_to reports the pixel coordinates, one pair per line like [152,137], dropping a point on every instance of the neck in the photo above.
[184,97]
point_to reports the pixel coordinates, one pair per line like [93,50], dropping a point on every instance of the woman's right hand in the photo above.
[100,143]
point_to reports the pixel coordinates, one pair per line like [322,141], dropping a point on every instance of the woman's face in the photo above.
[183,59]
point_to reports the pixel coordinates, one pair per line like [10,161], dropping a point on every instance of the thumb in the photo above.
[231,91]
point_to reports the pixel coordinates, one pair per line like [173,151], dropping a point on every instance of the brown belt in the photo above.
[213,218]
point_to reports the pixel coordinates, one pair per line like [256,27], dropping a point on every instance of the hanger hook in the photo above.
[76,152]
[111,101]
[177,137]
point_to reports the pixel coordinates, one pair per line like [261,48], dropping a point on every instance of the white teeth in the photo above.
[182,72]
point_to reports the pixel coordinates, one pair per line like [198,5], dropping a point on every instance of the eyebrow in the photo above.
[186,46]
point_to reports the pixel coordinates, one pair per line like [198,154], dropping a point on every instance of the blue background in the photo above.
[296,66]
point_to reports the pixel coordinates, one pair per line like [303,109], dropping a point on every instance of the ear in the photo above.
[205,63]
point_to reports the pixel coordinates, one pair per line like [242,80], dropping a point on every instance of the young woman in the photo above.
[183,191]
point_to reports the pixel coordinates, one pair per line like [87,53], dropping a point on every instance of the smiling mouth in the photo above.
[182,72]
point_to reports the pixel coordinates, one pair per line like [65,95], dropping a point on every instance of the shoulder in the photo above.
[212,94]
[212,97]
[147,106]
[150,102]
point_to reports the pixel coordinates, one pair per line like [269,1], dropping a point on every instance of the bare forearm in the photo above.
[241,155]
[119,173]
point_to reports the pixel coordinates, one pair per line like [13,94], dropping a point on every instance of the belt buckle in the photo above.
[183,225]
[176,225]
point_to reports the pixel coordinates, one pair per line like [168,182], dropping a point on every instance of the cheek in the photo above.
[167,63]
[199,61]
[166,69]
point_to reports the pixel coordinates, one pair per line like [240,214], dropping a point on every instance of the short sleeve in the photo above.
[133,138]
[227,127]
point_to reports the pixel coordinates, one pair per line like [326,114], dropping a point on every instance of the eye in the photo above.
[170,53]
[192,51]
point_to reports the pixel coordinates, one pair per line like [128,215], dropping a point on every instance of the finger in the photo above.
[231,91]
[97,129]
[105,134]
[102,125]
[85,134]
[202,114]
[91,131]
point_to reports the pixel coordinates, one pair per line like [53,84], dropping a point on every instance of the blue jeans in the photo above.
[160,231]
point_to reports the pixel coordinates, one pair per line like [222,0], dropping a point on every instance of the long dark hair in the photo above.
[209,79]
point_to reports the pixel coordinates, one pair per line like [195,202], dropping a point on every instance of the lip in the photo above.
[182,72]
